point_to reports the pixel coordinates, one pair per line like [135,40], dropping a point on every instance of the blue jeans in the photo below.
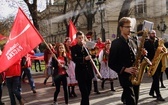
[27,71]
[12,85]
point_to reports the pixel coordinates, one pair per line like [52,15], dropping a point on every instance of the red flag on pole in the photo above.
[22,39]
[2,37]
[72,32]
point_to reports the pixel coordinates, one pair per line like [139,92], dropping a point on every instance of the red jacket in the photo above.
[14,70]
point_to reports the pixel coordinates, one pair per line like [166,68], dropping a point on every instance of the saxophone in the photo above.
[160,55]
[140,63]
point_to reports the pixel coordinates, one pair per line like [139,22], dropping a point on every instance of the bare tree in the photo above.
[5,26]
[33,11]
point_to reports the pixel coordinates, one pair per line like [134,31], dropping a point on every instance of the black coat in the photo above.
[151,47]
[121,56]
[83,68]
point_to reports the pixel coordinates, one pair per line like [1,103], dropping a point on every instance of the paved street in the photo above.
[44,95]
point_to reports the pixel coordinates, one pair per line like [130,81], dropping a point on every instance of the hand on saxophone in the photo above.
[131,70]
[144,52]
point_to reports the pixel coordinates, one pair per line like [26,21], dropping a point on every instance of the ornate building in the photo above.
[53,28]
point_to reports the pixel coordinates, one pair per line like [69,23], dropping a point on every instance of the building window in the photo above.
[140,8]
[167,6]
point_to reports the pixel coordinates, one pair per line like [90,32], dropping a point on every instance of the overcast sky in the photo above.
[10,7]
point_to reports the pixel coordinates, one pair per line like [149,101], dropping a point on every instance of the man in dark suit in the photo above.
[151,45]
[121,59]
[83,69]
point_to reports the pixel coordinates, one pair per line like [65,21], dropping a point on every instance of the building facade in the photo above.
[53,28]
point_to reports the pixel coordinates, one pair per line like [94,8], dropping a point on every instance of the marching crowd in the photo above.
[62,64]
[72,66]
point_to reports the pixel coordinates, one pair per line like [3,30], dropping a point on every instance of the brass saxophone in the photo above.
[140,63]
[160,55]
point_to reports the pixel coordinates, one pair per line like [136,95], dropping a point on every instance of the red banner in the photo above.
[22,39]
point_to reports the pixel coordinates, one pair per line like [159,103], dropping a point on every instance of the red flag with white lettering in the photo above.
[22,39]
[72,33]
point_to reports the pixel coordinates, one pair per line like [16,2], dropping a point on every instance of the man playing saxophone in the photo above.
[121,59]
[151,46]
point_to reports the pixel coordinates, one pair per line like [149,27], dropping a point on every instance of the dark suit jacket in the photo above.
[121,56]
[83,68]
[151,47]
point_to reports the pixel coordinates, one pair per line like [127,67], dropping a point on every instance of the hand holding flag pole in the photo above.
[93,64]
[52,52]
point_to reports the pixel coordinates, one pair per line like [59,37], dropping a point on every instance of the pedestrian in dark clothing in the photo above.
[121,59]
[13,82]
[83,69]
[37,62]
[151,46]
[60,75]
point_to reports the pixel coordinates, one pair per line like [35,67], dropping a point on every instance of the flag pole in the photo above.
[93,64]
[50,50]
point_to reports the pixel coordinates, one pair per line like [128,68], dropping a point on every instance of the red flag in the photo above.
[72,33]
[2,37]
[22,39]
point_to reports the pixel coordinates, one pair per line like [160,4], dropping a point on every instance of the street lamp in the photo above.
[162,27]
[99,3]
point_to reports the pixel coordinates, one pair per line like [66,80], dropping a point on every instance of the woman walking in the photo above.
[60,76]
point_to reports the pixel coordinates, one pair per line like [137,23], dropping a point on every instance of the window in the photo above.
[167,6]
[140,8]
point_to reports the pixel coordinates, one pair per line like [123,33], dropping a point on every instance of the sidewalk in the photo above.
[44,95]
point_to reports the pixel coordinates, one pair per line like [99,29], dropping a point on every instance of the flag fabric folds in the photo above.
[22,39]
[72,33]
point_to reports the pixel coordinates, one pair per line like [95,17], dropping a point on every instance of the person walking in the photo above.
[151,46]
[72,82]
[106,72]
[60,75]
[94,55]
[13,82]
[48,67]
[26,68]
[83,69]
[37,62]
[121,59]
